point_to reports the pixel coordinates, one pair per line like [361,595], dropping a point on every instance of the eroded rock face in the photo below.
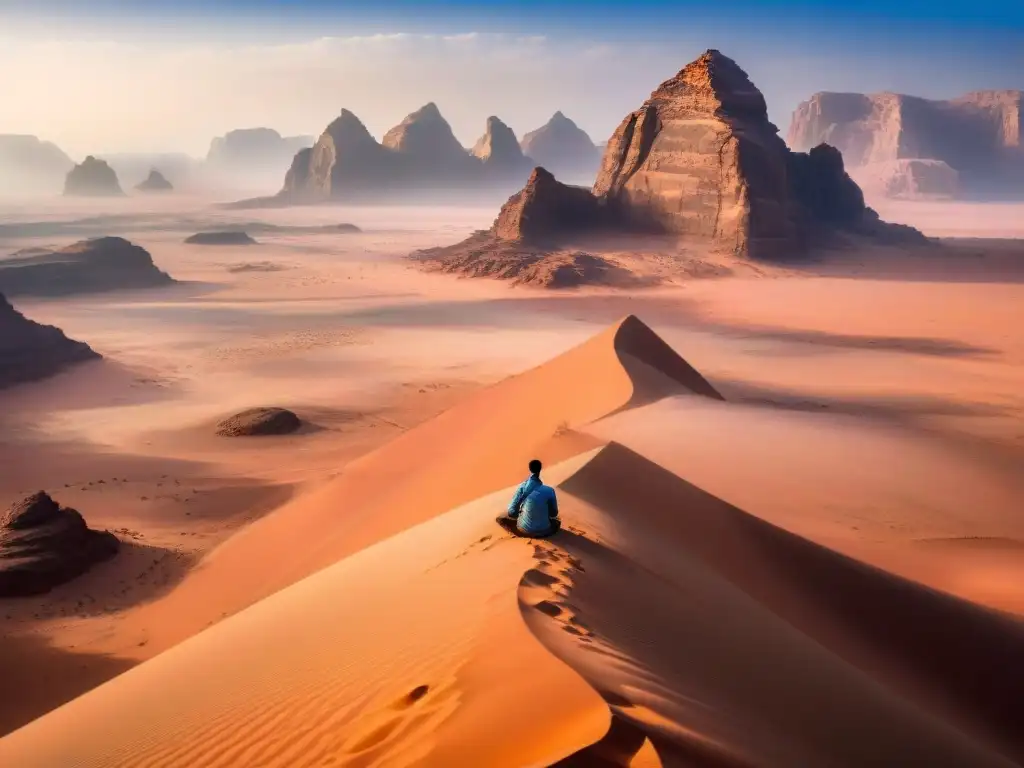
[256,422]
[546,210]
[155,182]
[909,179]
[31,351]
[100,264]
[43,544]
[499,151]
[564,149]
[699,162]
[427,147]
[92,178]
[977,135]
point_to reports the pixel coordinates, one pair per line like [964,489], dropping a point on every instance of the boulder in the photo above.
[977,136]
[220,238]
[564,149]
[31,351]
[43,544]
[155,182]
[92,178]
[256,422]
[100,264]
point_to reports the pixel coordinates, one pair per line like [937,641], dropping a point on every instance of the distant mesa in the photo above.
[29,165]
[259,422]
[155,182]
[92,178]
[252,156]
[909,147]
[418,157]
[43,545]
[698,162]
[564,149]
[99,264]
[220,238]
[30,351]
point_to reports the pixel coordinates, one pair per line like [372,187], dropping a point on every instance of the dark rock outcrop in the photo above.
[256,422]
[155,182]
[100,264]
[43,544]
[564,149]
[92,178]
[220,238]
[699,162]
[31,351]
[31,166]
[977,135]
[546,210]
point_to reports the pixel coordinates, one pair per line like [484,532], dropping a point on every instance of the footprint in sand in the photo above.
[382,725]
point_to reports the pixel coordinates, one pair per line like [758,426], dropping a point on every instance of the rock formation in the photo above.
[92,178]
[220,238]
[909,179]
[977,135]
[700,162]
[155,182]
[419,156]
[100,264]
[43,544]
[31,351]
[177,168]
[500,153]
[252,156]
[259,422]
[564,149]
[31,166]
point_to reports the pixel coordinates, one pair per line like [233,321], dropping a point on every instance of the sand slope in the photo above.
[481,444]
[662,627]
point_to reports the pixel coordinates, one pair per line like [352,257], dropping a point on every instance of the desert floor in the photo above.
[342,596]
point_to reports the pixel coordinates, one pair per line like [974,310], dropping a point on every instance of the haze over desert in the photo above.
[275,398]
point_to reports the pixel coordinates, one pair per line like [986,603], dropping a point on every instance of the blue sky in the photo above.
[180,71]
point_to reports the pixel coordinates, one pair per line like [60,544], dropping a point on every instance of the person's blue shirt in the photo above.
[533,506]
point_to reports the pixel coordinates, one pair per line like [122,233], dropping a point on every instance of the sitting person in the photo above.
[533,511]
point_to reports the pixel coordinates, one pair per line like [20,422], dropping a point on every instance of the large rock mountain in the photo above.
[92,178]
[28,165]
[977,136]
[698,161]
[563,148]
[418,156]
[30,351]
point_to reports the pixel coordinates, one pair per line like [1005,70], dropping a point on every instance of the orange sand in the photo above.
[342,596]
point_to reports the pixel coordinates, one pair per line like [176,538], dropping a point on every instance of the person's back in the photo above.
[534,507]
[538,508]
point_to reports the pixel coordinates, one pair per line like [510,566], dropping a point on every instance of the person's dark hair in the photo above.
[535,467]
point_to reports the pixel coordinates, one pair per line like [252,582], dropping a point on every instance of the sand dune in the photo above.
[674,628]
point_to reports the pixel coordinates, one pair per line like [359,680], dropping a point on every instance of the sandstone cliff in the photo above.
[92,178]
[564,149]
[30,351]
[499,151]
[699,162]
[977,135]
